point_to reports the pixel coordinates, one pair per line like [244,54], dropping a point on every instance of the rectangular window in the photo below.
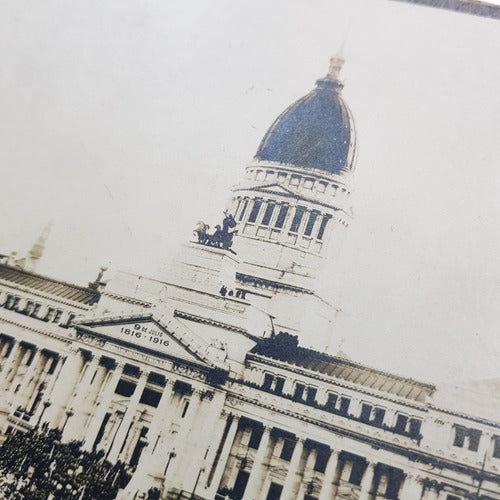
[401,421]
[15,303]
[331,402]
[295,180]
[280,382]
[378,417]
[150,397]
[415,426]
[344,405]
[287,450]
[255,211]
[474,438]
[57,316]
[274,492]
[185,409]
[240,484]
[268,380]
[322,455]
[496,446]
[255,438]
[125,388]
[459,438]
[297,219]
[310,223]
[53,365]
[311,395]
[366,411]
[299,392]
[268,214]
[358,468]
[322,227]
[280,220]
[243,210]
[49,316]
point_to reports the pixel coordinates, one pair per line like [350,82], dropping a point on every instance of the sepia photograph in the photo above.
[250,250]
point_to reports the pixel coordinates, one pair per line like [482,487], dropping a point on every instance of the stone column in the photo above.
[258,472]
[157,423]
[367,482]
[5,376]
[173,471]
[102,406]
[34,387]
[74,428]
[16,396]
[224,455]
[63,387]
[411,488]
[123,429]
[328,488]
[290,479]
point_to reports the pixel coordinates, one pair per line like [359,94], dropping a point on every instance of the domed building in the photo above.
[203,382]
[293,208]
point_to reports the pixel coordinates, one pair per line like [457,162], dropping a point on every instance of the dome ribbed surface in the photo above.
[317,132]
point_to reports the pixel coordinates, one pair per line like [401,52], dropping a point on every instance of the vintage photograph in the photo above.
[249,250]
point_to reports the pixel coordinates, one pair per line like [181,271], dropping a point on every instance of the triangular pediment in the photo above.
[273,188]
[162,336]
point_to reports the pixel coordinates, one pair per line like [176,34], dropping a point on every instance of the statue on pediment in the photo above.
[222,237]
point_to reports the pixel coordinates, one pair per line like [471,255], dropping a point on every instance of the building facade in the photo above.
[215,380]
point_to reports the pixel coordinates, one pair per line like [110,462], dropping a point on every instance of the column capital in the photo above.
[413,476]
[369,464]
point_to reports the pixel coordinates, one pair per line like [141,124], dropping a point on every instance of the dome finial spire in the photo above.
[336,63]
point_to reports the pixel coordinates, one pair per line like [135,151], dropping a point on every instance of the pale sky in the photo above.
[126,122]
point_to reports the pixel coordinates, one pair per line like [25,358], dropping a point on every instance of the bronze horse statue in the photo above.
[222,236]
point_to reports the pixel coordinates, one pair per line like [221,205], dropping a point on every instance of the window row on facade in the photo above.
[37,310]
[340,404]
[469,438]
[282,217]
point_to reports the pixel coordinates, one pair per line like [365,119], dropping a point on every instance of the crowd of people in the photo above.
[35,465]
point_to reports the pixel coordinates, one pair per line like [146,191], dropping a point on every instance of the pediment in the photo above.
[273,188]
[162,336]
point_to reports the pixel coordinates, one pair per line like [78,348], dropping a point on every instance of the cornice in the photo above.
[411,454]
[44,295]
[128,300]
[456,413]
[328,379]
[208,321]
[41,331]
[246,278]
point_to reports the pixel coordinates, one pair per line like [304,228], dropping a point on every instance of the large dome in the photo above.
[317,131]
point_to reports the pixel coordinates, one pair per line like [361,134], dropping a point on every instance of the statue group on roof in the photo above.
[222,237]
